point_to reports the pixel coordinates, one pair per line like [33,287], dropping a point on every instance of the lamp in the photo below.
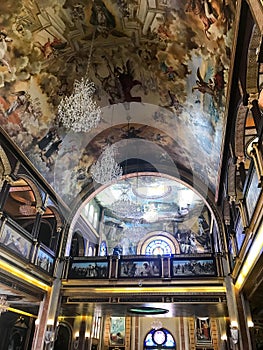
[4,305]
[151,215]
[79,111]
[124,207]
[106,169]
[136,231]
[234,332]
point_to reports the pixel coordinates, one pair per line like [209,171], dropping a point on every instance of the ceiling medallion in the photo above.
[79,111]
[106,169]
[4,305]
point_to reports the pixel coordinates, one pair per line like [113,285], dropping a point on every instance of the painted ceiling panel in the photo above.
[163,65]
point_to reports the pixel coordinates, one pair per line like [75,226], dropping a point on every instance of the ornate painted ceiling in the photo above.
[161,64]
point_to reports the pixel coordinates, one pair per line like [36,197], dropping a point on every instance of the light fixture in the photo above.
[224,337]
[151,215]
[79,111]
[4,305]
[250,324]
[106,169]
[234,331]
[124,207]
[135,231]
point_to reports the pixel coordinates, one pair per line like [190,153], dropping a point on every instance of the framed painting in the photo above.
[136,267]
[202,331]
[193,267]
[44,260]
[117,331]
[252,195]
[12,239]
[89,269]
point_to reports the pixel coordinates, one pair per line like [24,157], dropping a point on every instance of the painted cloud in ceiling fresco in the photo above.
[162,63]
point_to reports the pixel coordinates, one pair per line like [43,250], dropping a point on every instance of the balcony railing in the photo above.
[190,266]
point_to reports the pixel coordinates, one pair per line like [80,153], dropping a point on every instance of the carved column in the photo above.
[7,181]
[36,227]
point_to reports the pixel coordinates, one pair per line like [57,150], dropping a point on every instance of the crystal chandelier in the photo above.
[152,214]
[79,111]
[124,207]
[135,232]
[106,169]
[4,305]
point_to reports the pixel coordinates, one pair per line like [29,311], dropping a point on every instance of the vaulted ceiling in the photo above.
[161,70]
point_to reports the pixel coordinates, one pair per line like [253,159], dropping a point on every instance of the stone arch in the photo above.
[35,189]
[252,63]
[57,217]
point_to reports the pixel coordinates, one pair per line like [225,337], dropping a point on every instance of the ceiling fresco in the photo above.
[161,65]
[158,205]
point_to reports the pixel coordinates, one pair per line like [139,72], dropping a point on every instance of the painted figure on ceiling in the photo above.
[205,11]
[102,18]
[4,39]
[22,100]
[119,82]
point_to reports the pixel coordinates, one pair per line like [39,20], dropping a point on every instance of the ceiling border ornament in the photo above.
[252,64]
[240,132]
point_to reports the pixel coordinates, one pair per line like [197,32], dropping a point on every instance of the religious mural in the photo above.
[168,218]
[163,64]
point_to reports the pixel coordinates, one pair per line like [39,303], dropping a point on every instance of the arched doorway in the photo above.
[160,339]
[63,339]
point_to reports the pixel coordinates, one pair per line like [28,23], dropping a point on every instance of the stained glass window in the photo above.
[158,247]
[159,337]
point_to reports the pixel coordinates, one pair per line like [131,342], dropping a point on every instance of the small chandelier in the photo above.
[106,169]
[79,111]
[135,232]
[152,214]
[124,207]
[4,305]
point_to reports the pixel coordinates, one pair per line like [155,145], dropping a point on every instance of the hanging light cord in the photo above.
[90,53]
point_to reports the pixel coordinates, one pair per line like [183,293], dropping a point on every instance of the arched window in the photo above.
[158,243]
[159,338]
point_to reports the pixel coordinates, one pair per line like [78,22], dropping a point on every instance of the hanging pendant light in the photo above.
[106,169]
[79,111]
